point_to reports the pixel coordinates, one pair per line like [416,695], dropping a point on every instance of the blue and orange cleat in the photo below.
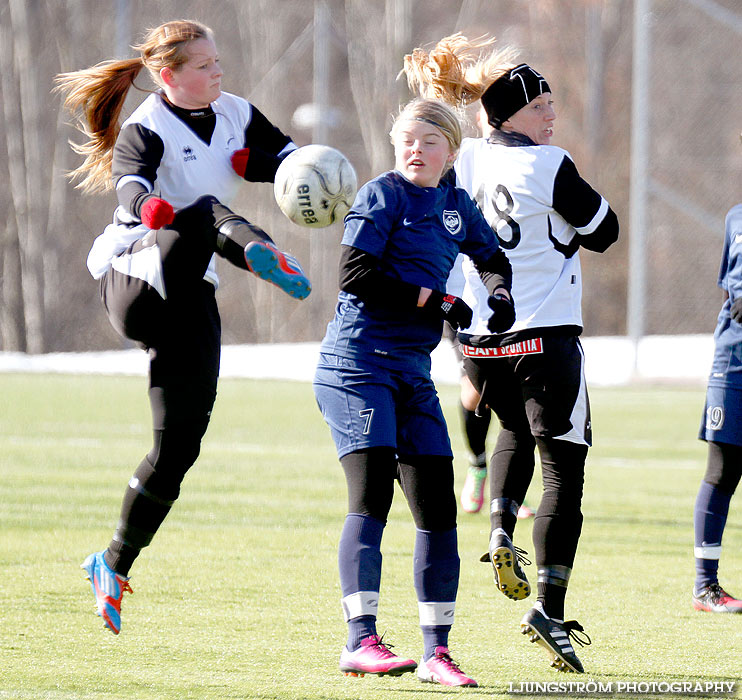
[108,589]
[270,264]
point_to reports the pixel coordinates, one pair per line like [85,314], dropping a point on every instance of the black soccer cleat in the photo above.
[506,560]
[555,638]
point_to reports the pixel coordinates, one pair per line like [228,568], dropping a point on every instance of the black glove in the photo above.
[454,310]
[735,310]
[503,313]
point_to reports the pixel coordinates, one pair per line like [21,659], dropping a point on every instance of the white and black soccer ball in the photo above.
[315,186]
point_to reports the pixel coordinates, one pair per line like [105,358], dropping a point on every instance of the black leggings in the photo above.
[182,332]
[558,522]
[724,466]
[427,482]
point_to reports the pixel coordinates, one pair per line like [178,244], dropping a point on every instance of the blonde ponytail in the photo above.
[455,70]
[95,97]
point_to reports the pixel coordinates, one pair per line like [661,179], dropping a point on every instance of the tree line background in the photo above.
[340,59]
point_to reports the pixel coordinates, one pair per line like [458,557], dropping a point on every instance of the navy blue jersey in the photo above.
[726,370]
[416,234]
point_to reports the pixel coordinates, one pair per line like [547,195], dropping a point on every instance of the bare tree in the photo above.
[13,321]
[376,34]
[49,302]
[25,114]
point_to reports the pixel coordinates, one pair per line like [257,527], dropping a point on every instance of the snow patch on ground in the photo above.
[610,361]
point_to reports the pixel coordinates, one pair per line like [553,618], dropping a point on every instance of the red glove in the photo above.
[239,161]
[157,213]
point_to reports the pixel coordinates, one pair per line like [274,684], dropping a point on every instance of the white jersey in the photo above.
[517,188]
[189,168]
[464,282]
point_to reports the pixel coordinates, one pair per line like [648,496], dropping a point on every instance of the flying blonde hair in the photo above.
[457,70]
[96,95]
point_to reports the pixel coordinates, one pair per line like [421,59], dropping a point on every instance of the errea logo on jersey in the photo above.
[188,154]
[452,221]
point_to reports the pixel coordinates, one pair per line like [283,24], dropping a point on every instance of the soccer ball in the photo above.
[315,186]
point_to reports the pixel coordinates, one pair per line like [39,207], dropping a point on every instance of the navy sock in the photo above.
[359,560]
[436,573]
[434,636]
[359,628]
[709,520]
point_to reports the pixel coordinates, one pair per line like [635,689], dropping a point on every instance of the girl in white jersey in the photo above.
[176,164]
[532,376]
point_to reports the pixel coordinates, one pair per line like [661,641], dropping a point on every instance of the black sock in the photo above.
[142,513]
[475,430]
[552,589]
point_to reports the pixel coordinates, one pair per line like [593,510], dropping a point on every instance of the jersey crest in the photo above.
[452,221]
[188,154]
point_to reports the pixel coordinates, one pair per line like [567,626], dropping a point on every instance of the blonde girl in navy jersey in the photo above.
[176,164]
[374,389]
[532,376]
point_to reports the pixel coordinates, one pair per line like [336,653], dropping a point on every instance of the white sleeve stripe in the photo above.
[134,178]
[290,146]
[597,219]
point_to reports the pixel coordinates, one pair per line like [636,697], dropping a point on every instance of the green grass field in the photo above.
[238,596]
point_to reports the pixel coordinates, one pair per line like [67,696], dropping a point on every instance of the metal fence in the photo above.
[686,160]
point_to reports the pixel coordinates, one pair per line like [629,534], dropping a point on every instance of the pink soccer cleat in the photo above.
[713,598]
[373,656]
[524,512]
[441,668]
[472,495]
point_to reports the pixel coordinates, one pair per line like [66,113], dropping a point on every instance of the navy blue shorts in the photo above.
[366,406]
[722,416]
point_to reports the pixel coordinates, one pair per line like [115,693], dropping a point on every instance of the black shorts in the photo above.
[536,384]
[181,330]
